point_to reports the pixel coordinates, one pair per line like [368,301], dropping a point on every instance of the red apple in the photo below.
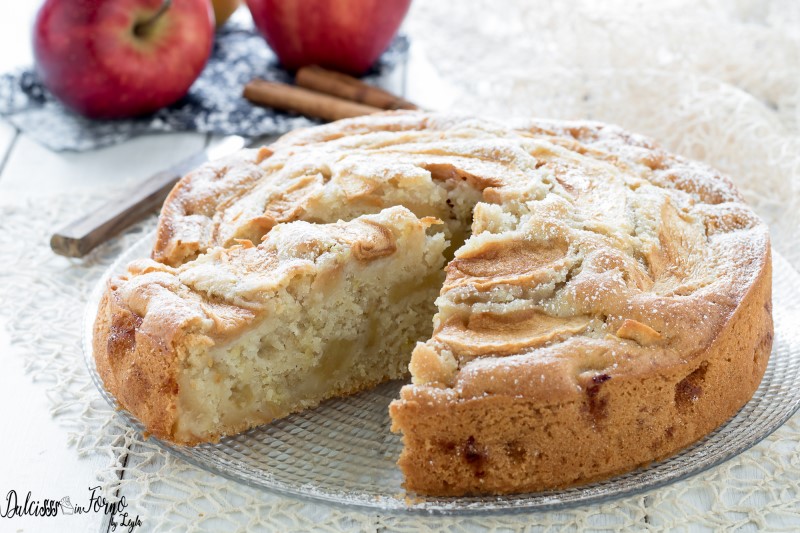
[121,58]
[345,35]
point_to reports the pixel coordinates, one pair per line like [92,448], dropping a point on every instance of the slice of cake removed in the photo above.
[244,335]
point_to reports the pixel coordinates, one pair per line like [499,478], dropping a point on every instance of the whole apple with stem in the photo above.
[121,58]
[345,35]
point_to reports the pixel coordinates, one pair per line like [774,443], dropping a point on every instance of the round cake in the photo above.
[573,300]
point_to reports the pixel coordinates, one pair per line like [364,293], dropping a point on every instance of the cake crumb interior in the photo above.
[342,328]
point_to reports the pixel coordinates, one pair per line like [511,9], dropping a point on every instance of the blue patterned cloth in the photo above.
[213,105]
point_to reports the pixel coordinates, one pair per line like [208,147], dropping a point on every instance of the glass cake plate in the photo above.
[342,453]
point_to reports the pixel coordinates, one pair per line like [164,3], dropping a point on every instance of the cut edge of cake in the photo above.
[244,335]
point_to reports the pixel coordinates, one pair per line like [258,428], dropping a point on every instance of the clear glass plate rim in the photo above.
[451,507]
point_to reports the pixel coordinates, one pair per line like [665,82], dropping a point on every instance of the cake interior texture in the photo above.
[344,328]
[318,311]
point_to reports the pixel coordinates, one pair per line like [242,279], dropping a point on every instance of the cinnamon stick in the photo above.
[349,88]
[309,103]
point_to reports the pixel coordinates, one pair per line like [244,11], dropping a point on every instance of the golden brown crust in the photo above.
[183,231]
[135,368]
[504,443]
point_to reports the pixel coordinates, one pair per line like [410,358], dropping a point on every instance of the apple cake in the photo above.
[571,300]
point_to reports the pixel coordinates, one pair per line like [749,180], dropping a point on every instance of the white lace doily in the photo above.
[718,81]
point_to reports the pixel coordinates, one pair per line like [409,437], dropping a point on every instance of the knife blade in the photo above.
[82,235]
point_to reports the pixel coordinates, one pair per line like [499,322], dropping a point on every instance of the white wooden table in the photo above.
[38,458]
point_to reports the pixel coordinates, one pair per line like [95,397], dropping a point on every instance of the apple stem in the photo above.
[142,28]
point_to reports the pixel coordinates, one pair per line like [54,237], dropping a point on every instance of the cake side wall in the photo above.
[139,373]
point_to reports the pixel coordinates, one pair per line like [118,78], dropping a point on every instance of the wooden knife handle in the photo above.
[82,235]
